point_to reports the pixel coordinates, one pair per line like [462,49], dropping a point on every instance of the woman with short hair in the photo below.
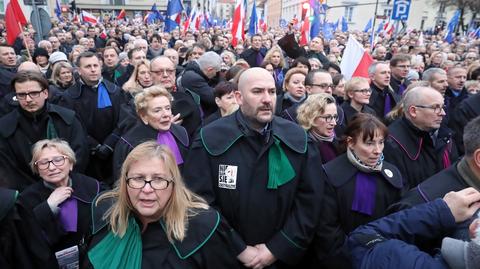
[294,91]
[152,220]
[357,98]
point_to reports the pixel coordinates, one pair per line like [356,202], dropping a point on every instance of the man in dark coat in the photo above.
[461,115]
[199,77]
[383,97]
[8,68]
[33,120]
[418,144]
[262,174]
[399,66]
[112,69]
[456,91]
[293,50]
[255,54]
[97,102]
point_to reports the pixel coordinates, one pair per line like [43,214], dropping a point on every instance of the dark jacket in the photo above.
[460,116]
[42,227]
[377,99]
[415,153]
[113,74]
[250,56]
[453,100]
[206,243]
[350,111]
[141,133]
[228,166]
[6,76]
[293,50]
[20,130]
[339,216]
[195,80]
[397,86]
[390,242]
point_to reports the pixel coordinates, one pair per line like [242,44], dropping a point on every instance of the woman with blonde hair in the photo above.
[140,78]
[275,57]
[62,79]
[357,98]
[152,220]
[294,91]
[318,116]
[153,120]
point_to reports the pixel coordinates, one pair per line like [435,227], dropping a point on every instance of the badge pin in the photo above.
[388,172]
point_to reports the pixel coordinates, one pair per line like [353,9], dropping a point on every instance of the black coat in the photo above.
[293,50]
[377,99]
[350,111]
[195,80]
[452,101]
[141,133]
[461,115]
[414,152]
[250,56]
[42,227]
[20,130]
[206,243]
[228,166]
[339,219]
[6,76]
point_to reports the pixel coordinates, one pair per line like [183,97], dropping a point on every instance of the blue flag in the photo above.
[316,23]
[344,25]
[58,11]
[368,26]
[328,30]
[253,25]
[174,15]
[380,27]
[451,27]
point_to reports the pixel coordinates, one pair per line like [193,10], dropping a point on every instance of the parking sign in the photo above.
[400,10]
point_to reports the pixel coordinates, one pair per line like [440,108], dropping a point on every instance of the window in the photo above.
[348,13]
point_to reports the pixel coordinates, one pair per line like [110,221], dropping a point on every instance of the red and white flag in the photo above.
[355,60]
[238,26]
[388,28]
[88,17]
[305,33]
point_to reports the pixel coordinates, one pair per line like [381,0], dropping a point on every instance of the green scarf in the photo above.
[280,170]
[51,132]
[115,252]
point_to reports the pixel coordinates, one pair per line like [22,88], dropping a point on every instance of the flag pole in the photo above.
[25,41]
[373,25]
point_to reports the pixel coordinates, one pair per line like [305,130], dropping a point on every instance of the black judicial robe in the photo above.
[350,111]
[101,124]
[141,133]
[20,130]
[206,244]
[413,152]
[42,228]
[228,166]
[377,99]
[461,115]
[339,219]
[13,251]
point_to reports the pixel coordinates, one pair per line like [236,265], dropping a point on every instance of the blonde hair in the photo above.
[56,72]
[179,208]
[313,107]
[61,146]
[270,53]
[352,85]
[132,84]
[142,98]
[290,73]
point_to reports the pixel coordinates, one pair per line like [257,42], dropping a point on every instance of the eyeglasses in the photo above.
[330,118]
[364,91]
[45,164]
[163,71]
[323,85]
[33,94]
[403,66]
[157,183]
[436,108]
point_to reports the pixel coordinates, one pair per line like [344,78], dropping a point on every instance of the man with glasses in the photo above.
[399,66]
[418,144]
[33,120]
[383,98]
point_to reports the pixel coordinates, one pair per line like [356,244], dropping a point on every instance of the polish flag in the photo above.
[238,26]
[305,33]
[388,28]
[88,17]
[355,60]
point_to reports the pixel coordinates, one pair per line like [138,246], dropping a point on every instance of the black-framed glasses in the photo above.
[323,85]
[364,91]
[436,108]
[32,94]
[163,71]
[330,118]
[45,164]
[157,183]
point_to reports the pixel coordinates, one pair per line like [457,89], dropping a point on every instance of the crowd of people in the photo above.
[124,146]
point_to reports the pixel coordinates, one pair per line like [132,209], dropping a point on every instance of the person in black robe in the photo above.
[383,98]
[460,116]
[98,103]
[357,98]
[318,116]
[255,54]
[261,172]
[35,119]
[153,123]
[418,144]
[55,212]
[147,220]
[224,94]
[360,188]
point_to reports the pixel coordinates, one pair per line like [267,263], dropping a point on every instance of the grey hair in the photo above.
[210,59]
[429,73]
[471,139]
[413,96]
[373,68]
[42,43]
